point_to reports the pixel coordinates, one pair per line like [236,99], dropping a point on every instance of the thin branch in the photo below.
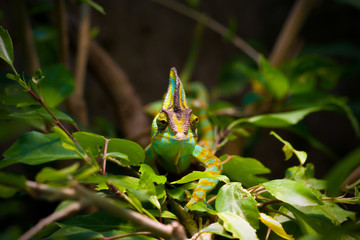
[173,231]
[290,30]
[76,102]
[103,169]
[74,207]
[126,235]
[281,213]
[127,103]
[63,35]
[212,24]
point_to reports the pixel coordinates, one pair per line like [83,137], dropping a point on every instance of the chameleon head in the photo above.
[175,113]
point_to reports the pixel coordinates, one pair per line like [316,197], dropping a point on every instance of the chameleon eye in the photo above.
[161,121]
[194,119]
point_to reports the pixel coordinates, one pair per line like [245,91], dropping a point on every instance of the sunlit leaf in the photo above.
[202,207]
[195,175]
[48,174]
[292,192]
[275,226]
[6,47]
[244,170]
[134,151]
[275,81]
[216,228]
[305,175]
[238,226]
[232,197]
[289,150]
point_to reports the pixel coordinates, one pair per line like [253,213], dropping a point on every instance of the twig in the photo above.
[126,235]
[173,231]
[76,102]
[268,202]
[217,143]
[268,233]
[212,24]
[290,30]
[281,213]
[76,206]
[127,103]
[103,170]
[63,35]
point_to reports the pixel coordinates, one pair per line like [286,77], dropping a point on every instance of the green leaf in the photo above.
[99,221]
[202,207]
[244,170]
[305,175]
[73,232]
[153,177]
[238,226]
[292,192]
[96,6]
[57,85]
[133,150]
[216,228]
[232,197]
[178,193]
[48,174]
[116,155]
[337,175]
[35,148]
[7,192]
[195,175]
[308,225]
[12,180]
[38,112]
[92,143]
[6,47]
[289,150]
[275,80]
[68,143]
[164,214]
[284,119]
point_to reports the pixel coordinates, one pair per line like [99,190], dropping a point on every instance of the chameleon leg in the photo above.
[213,166]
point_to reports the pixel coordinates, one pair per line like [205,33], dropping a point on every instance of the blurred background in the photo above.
[135,43]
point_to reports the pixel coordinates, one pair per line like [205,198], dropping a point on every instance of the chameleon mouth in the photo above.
[180,136]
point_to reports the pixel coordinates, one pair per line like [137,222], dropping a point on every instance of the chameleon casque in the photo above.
[174,138]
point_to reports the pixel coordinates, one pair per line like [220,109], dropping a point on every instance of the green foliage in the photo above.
[247,203]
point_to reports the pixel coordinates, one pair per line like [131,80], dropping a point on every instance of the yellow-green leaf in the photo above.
[274,225]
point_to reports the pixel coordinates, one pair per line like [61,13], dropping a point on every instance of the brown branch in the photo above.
[290,30]
[103,170]
[63,35]
[74,207]
[76,102]
[127,103]
[173,231]
[212,24]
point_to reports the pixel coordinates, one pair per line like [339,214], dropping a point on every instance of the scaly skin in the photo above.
[174,140]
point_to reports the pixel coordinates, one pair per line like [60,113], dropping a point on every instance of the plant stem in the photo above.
[103,170]
[290,30]
[76,206]
[281,213]
[212,24]
[173,231]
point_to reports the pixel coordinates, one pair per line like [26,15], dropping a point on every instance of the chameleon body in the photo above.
[174,139]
